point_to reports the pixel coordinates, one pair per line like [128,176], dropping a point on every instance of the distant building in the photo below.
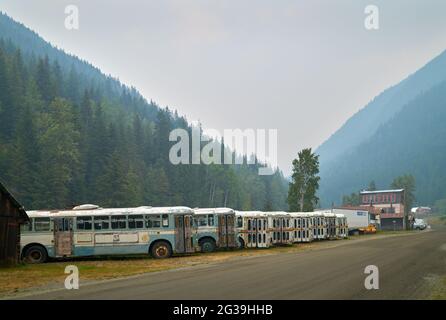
[421,210]
[390,205]
[12,215]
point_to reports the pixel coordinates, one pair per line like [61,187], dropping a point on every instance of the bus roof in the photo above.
[214,211]
[301,214]
[110,211]
[251,213]
[278,213]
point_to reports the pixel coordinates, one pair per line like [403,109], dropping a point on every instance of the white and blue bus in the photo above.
[89,230]
[215,228]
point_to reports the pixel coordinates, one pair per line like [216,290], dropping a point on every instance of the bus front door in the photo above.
[63,237]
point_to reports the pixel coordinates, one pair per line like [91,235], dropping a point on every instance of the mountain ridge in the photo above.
[392,100]
[354,169]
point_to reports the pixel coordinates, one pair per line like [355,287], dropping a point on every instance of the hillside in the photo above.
[71,135]
[404,133]
[365,123]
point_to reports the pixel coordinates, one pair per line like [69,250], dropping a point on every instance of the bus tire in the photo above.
[207,245]
[161,250]
[36,254]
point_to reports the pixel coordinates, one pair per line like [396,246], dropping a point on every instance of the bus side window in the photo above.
[136,222]
[153,221]
[119,222]
[42,224]
[210,220]
[165,220]
[239,222]
[102,223]
[83,223]
[27,227]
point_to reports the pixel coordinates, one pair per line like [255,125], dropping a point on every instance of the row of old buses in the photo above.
[89,230]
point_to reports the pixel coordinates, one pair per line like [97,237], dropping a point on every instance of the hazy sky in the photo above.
[302,67]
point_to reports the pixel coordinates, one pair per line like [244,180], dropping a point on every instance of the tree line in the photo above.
[67,139]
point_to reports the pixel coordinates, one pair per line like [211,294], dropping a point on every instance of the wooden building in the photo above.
[390,203]
[12,215]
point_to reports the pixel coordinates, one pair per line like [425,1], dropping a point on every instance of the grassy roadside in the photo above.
[51,275]
[439,289]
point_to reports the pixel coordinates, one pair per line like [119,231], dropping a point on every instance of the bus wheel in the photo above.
[207,245]
[36,254]
[161,250]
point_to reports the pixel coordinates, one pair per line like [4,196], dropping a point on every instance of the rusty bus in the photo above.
[215,228]
[253,229]
[302,224]
[89,230]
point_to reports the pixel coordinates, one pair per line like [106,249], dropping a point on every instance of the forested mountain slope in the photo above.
[365,123]
[70,135]
[413,142]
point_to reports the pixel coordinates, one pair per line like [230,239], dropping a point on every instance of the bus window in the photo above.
[136,222]
[83,223]
[249,224]
[41,224]
[153,221]
[165,220]
[119,222]
[26,227]
[211,220]
[239,222]
[202,221]
[102,223]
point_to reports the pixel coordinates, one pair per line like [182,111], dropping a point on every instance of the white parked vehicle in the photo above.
[215,228]
[302,225]
[359,221]
[282,230]
[419,224]
[341,226]
[320,225]
[253,229]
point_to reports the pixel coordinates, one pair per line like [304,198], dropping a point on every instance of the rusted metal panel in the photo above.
[63,236]
[231,234]
[183,234]
[222,238]
[188,234]
[179,234]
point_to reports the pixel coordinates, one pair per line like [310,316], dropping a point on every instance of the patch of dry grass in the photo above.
[439,289]
[26,276]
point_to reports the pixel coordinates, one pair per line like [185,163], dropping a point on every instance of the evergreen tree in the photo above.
[406,182]
[305,182]
[372,186]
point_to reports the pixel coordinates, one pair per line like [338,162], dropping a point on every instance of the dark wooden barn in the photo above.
[12,215]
